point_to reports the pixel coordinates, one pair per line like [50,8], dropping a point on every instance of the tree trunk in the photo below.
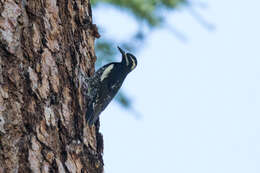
[46,51]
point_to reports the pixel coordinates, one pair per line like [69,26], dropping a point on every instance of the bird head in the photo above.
[128,60]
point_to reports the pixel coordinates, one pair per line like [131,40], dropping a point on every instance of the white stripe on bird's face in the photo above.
[106,72]
[133,64]
[126,59]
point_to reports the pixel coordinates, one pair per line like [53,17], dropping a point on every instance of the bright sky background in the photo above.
[199,100]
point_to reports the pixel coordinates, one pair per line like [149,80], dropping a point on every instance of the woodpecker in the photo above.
[105,83]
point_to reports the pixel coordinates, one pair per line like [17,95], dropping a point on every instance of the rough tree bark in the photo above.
[46,50]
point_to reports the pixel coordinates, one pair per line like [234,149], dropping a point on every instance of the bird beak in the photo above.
[122,52]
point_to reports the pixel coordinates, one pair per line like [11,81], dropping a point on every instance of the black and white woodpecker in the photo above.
[106,82]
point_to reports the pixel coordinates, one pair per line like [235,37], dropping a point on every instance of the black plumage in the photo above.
[105,83]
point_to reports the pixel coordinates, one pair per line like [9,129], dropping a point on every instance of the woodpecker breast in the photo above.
[106,82]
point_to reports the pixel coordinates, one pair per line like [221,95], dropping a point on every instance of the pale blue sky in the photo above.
[199,100]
